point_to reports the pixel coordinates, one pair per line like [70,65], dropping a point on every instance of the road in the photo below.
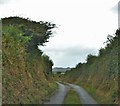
[58,97]
[85,98]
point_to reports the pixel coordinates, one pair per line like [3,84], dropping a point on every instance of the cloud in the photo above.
[3,1]
[115,8]
[82,23]
[69,56]
[6,1]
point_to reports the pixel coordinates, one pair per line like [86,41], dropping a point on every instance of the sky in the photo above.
[83,25]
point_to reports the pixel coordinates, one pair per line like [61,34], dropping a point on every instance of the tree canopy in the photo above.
[38,31]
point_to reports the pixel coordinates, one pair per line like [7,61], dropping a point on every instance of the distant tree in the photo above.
[117,35]
[109,39]
[78,65]
[117,32]
[101,51]
[90,58]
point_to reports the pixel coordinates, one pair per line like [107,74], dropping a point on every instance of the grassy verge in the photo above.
[50,91]
[99,95]
[52,87]
[72,98]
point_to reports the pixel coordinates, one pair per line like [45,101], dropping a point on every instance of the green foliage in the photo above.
[38,31]
[13,33]
[99,75]
[24,70]
[49,63]
[13,54]
[91,59]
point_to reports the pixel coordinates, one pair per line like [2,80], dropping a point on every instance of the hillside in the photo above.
[27,73]
[60,69]
[100,76]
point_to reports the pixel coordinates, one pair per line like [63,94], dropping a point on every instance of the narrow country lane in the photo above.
[58,97]
[85,98]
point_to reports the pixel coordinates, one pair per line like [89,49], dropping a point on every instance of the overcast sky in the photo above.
[83,25]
